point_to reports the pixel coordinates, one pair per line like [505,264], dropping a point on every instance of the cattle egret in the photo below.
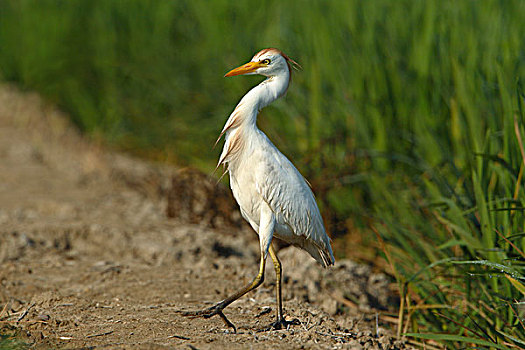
[272,195]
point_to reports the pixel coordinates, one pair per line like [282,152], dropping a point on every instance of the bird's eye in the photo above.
[266,61]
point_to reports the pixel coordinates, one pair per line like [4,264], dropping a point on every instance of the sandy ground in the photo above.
[89,258]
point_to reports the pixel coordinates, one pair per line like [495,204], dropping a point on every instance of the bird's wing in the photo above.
[286,192]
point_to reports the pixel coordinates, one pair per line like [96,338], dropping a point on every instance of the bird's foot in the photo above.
[280,324]
[206,313]
[209,312]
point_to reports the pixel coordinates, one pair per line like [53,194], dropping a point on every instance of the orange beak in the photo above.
[249,67]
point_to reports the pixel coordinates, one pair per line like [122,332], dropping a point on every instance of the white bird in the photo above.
[272,195]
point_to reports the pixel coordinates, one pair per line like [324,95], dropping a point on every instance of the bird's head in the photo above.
[268,62]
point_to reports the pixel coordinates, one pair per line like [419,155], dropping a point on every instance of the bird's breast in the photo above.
[245,193]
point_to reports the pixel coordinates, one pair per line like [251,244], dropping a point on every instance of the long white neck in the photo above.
[259,97]
[244,116]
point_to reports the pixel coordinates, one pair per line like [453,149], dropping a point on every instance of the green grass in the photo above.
[404,119]
[8,340]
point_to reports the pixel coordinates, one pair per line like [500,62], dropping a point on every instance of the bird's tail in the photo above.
[323,255]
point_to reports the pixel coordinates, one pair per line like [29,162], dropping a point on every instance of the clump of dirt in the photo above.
[197,198]
[89,258]
[348,284]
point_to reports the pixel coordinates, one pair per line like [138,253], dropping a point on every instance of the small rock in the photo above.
[43,317]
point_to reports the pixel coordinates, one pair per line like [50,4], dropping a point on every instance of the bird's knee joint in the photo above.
[259,279]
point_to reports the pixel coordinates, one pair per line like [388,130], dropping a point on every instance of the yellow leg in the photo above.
[278,282]
[257,281]
[217,308]
[280,322]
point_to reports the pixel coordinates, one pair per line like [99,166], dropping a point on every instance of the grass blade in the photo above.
[456,338]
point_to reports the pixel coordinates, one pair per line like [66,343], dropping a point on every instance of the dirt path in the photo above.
[88,257]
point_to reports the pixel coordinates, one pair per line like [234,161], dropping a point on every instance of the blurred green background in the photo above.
[407,119]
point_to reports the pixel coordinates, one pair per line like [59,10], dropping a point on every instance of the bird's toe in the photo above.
[209,312]
[281,324]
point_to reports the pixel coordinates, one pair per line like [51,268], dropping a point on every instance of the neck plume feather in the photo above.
[244,116]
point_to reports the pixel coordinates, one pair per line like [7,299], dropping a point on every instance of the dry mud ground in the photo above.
[89,259]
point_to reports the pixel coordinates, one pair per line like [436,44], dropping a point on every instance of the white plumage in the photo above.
[273,196]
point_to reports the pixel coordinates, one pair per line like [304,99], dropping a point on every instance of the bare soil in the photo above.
[89,258]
